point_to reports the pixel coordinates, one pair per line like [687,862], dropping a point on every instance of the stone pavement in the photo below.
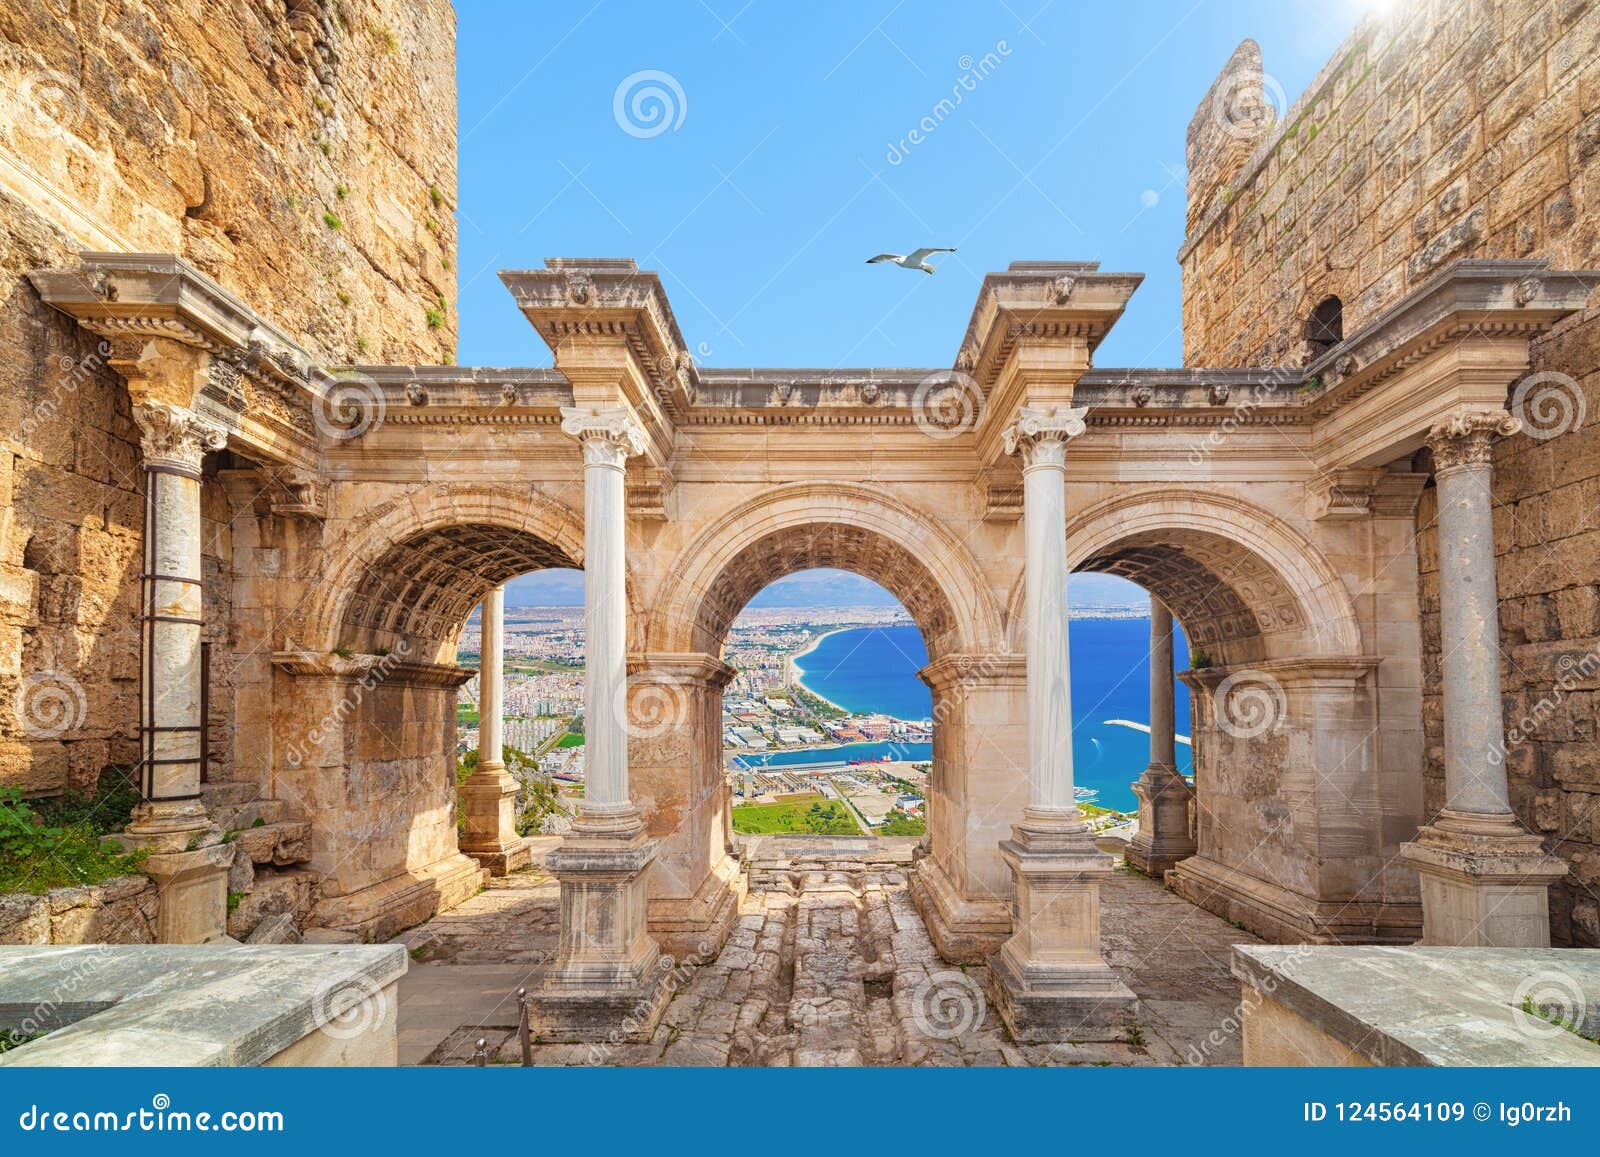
[829,964]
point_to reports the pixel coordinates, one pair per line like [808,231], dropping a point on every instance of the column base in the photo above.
[1049,981]
[965,931]
[1163,837]
[381,910]
[1282,916]
[193,894]
[489,801]
[1485,882]
[696,928]
[170,826]
[609,982]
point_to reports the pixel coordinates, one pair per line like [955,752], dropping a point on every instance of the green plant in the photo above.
[1199,659]
[362,345]
[1135,1035]
[344,298]
[435,318]
[343,652]
[435,196]
[331,219]
[234,900]
[259,822]
[59,843]
[341,191]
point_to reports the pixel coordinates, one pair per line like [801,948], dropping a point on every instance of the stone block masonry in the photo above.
[1462,129]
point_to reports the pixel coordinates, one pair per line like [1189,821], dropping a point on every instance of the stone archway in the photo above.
[676,773]
[1297,811]
[375,773]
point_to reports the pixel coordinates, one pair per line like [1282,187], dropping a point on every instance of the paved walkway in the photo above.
[829,964]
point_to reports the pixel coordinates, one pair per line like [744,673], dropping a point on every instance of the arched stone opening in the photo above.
[1295,819]
[677,774]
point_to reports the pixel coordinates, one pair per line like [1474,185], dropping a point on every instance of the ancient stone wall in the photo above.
[1547,546]
[302,152]
[1450,128]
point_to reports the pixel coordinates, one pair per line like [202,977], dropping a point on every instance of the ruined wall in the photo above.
[1453,128]
[301,152]
[1547,547]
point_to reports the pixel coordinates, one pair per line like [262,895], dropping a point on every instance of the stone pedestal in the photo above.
[1163,837]
[609,980]
[193,890]
[1485,879]
[1050,982]
[1485,882]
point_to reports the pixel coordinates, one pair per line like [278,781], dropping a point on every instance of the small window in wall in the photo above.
[1325,327]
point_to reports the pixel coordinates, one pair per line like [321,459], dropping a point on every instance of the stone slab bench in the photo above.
[197,1005]
[1352,1006]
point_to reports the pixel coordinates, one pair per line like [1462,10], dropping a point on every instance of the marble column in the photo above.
[187,859]
[1163,837]
[1485,878]
[1050,980]
[607,982]
[489,796]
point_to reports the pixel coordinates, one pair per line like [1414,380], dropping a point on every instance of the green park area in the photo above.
[812,815]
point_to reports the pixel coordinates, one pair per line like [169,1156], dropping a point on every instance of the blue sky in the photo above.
[778,159]
[761,199]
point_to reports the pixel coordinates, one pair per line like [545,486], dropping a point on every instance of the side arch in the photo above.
[416,563]
[833,524]
[1244,583]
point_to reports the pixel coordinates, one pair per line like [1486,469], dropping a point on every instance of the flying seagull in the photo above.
[916,259]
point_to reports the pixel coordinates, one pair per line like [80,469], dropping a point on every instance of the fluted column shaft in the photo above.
[609,438]
[174,441]
[1041,437]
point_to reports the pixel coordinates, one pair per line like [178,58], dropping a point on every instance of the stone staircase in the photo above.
[270,894]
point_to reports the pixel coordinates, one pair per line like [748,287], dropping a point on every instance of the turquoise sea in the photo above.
[874,669]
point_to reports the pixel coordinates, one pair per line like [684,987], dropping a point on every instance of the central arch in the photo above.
[841,525]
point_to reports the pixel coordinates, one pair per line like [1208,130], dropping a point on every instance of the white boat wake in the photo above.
[1145,727]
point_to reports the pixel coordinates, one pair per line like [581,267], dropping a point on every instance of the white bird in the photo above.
[916,259]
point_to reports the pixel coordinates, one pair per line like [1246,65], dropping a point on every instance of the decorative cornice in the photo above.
[1467,438]
[609,437]
[175,437]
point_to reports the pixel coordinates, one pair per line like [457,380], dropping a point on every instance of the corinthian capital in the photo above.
[1041,433]
[1467,438]
[173,436]
[609,437]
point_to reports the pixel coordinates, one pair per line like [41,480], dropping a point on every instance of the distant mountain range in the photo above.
[810,588]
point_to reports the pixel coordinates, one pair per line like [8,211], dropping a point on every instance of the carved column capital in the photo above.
[609,437]
[1468,437]
[1041,433]
[173,436]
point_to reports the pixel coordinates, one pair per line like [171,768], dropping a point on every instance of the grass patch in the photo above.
[570,739]
[816,817]
[901,825]
[56,843]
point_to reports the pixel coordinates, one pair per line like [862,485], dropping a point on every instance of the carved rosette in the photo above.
[1468,438]
[609,437]
[1041,433]
[173,436]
